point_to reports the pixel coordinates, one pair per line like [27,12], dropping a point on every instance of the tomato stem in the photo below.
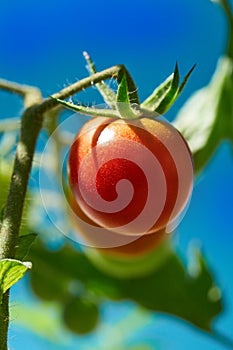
[107,93]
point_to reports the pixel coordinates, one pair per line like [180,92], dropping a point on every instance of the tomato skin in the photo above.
[105,151]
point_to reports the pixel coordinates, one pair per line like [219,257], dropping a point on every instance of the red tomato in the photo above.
[130,177]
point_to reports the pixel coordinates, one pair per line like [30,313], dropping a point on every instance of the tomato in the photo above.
[130,177]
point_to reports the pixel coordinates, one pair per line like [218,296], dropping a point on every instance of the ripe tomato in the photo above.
[130,177]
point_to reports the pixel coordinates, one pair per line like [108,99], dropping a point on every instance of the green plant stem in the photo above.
[115,72]
[30,94]
[226,7]
[14,206]
[31,125]
[9,124]
[32,121]
[4,321]
[107,93]
[229,14]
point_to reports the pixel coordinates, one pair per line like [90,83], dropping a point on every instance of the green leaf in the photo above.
[166,94]
[207,117]
[81,315]
[169,288]
[163,93]
[182,85]
[11,271]
[132,88]
[169,97]
[90,111]
[123,101]
[24,245]
[107,93]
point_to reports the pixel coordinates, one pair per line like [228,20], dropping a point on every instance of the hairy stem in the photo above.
[113,72]
[31,125]
[30,94]
[14,206]
[4,321]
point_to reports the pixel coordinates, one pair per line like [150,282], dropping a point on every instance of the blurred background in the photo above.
[41,44]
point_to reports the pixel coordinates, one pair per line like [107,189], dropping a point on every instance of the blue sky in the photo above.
[42,43]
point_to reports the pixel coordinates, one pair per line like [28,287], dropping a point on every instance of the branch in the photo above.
[30,94]
[9,124]
[14,87]
[113,72]
[4,321]
[108,94]
[14,206]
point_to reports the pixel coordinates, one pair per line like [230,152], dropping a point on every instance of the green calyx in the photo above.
[125,103]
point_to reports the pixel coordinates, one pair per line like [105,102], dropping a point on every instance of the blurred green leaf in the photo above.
[42,319]
[47,287]
[81,315]
[11,271]
[207,117]
[170,288]
[24,245]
